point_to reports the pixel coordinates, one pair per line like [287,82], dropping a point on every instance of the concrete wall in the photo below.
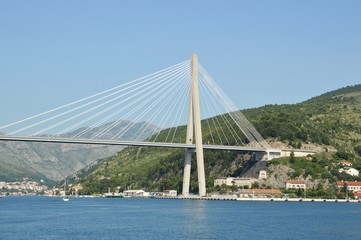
[276,153]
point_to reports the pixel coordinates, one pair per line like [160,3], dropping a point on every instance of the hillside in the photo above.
[53,162]
[330,122]
[331,119]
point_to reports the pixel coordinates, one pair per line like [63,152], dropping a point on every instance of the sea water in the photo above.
[131,218]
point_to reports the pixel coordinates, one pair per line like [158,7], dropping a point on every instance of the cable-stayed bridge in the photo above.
[176,98]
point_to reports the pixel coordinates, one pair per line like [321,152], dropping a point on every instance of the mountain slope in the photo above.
[54,161]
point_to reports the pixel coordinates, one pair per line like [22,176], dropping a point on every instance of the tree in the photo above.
[358,150]
[292,157]
[234,187]
[342,154]
[255,185]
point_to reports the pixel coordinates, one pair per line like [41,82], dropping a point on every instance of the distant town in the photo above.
[25,187]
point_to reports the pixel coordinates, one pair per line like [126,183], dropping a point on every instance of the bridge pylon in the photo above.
[194,129]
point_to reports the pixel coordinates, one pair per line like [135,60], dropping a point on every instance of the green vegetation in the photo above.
[154,170]
[331,121]
[324,166]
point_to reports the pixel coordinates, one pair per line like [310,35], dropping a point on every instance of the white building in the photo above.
[351,186]
[350,171]
[262,174]
[135,193]
[170,193]
[230,181]
[295,184]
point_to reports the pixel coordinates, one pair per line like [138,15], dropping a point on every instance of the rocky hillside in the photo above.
[53,162]
[331,122]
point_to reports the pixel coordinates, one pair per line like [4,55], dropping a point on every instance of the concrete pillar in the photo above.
[197,127]
[194,124]
[188,152]
[187,172]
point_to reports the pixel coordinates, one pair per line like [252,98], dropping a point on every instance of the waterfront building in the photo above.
[260,193]
[170,193]
[295,184]
[230,181]
[351,186]
[135,193]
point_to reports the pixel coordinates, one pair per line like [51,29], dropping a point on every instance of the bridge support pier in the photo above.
[187,171]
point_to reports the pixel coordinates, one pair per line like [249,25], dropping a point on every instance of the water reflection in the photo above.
[196,220]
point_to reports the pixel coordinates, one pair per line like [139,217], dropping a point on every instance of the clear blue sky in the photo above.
[259,52]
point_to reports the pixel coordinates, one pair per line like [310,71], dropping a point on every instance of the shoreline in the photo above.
[264,199]
[214,198]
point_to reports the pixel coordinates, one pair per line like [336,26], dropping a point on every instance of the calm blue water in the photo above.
[101,218]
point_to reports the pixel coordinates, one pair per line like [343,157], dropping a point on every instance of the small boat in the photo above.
[65,198]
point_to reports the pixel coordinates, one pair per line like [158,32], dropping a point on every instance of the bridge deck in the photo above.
[127,143]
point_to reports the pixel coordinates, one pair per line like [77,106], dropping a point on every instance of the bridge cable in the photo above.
[139,106]
[229,126]
[146,111]
[166,115]
[89,97]
[158,84]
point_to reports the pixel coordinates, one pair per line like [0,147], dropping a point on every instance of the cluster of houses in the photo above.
[353,187]
[25,186]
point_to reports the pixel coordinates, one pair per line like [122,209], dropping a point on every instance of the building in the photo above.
[346,163]
[135,193]
[262,174]
[170,193]
[260,193]
[230,181]
[351,186]
[295,184]
[357,194]
[351,171]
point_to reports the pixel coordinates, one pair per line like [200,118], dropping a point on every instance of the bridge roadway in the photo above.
[127,143]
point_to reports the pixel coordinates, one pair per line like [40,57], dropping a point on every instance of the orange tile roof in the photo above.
[349,183]
[346,163]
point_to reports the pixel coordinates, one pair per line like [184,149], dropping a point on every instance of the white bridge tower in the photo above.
[194,129]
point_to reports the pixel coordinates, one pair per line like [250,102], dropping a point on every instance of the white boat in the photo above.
[65,198]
